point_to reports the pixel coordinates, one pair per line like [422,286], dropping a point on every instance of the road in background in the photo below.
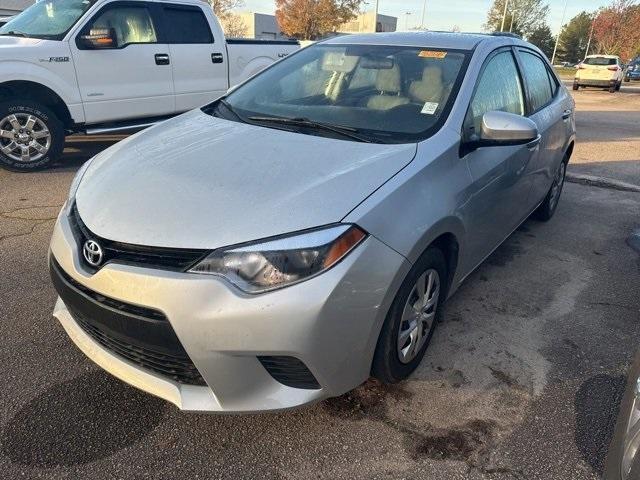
[522,380]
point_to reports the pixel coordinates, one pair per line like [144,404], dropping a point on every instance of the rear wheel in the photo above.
[31,136]
[412,319]
[549,205]
[618,86]
[613,88]
[576,86]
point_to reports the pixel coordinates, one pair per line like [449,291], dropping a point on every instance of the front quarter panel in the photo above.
[421,202]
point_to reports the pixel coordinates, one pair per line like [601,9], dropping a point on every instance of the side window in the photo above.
[186,25]
[554,83]
[498,88]
[129,24]
[535,74]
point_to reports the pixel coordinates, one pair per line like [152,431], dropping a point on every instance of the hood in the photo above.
[198,181]
[9,41]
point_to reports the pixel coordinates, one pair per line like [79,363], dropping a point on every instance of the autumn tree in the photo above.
[232,24]
[574,38]
[523,16]
[542,38]
[616,31]
[311,19]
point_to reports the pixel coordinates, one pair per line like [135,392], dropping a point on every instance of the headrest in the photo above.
[430,88]
[388,80]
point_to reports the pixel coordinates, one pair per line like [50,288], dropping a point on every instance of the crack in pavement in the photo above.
[36,224]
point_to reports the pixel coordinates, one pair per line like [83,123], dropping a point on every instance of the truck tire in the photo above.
[31,136]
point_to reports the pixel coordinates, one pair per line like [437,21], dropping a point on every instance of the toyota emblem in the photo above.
[92,253]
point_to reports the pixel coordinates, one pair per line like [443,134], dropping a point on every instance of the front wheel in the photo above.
[550,203]
[31,136]
[411,321]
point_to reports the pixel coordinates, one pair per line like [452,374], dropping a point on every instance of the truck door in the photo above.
[198,55]
[123,71]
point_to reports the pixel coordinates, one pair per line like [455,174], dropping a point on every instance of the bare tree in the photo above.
[234,26]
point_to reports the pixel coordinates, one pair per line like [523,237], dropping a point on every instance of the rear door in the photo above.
[549,108]
[131,78]
[198,56]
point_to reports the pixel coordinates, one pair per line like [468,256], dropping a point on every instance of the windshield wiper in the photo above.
[349,132]
[15,33]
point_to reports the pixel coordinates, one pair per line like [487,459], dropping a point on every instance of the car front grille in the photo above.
[138,334]
[174,259]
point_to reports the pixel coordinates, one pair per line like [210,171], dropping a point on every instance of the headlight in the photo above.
[75,183]
[259,267]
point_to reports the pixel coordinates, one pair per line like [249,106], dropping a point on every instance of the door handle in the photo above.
[162,59]
[566,114]
[217,58]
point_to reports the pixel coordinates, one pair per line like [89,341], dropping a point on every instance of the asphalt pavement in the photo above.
[522,380]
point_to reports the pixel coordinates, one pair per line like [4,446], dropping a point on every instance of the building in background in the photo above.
[261,26]
[365,21]
[8,8]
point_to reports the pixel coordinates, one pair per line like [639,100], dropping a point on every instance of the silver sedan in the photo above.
[287,241]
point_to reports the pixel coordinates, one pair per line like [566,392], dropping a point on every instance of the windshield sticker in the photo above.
[432,54]
[429,108]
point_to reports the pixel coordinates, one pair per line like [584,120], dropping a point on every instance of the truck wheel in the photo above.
[31,136]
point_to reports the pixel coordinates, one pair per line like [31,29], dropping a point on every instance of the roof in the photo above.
[17,5]
[452,40]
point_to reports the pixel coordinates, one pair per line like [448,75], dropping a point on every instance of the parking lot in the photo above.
[522,379]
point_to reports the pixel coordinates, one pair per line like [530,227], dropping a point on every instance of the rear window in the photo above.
[602,61]
[187,25]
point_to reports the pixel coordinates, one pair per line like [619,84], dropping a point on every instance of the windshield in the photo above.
[602,61]
[50,19]
[388,94]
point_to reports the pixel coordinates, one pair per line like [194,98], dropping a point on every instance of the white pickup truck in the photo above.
[104,66]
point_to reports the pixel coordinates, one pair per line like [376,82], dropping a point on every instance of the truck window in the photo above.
[131,24]
[186,25]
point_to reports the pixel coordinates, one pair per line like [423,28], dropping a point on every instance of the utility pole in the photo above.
[424,11]
[504,15]
[406,24]
[513,17]
[555,48]
[593,23]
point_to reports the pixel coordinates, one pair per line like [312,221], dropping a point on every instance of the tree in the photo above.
[311,19]
[574,37]
[542,38]
[234,26]
[615,29]
[523,16]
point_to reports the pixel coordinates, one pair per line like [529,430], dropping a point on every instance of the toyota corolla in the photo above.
[301,233]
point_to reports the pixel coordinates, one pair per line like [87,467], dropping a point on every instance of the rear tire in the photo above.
[548,207]
[31,136]
[409,315]
[576,86]
[618,86]
[612,88]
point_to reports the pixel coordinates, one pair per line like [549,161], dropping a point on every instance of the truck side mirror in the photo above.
[99,38]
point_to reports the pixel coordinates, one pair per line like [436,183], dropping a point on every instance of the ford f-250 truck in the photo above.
[104,66]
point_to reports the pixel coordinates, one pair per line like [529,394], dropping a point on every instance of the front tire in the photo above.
[31,136]
[548,207]
[412,319]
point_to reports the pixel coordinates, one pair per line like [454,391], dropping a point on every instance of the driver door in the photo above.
[130,76]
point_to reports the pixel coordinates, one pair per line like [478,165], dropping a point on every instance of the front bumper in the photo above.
[330,323]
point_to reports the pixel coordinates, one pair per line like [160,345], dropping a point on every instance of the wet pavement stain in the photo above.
[505,254]
[467,443]
[86,419]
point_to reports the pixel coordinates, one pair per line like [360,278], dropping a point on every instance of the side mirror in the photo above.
[99,38]
[502,128]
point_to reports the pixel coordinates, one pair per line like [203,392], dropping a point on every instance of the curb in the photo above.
[603,182]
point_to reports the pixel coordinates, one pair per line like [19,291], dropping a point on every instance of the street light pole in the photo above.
[375,16]
[504,15]
[424,11]
[406,23]
[555,48]
[593,23]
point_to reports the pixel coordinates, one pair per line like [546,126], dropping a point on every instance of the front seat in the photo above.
[389,84]
[430,88]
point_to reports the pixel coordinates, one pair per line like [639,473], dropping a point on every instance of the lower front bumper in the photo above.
[330,323]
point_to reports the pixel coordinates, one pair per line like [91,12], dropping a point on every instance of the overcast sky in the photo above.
[469,15]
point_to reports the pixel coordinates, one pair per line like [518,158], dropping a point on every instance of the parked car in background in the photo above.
[4,20]
[287,241]
[599,71]
[69,66]
[632,73]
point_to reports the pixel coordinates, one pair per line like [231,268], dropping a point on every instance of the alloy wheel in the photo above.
[418,315]
[24,137]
